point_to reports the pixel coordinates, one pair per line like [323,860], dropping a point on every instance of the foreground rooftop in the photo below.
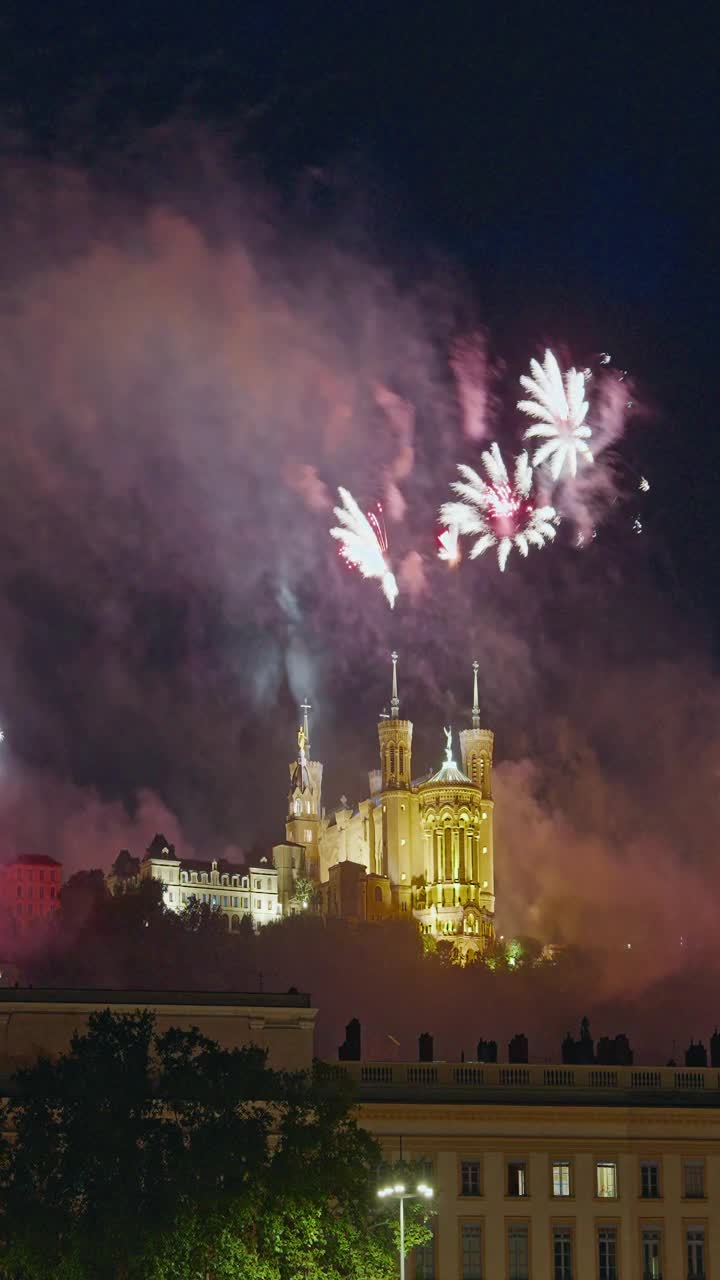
[107,996]
[482,1083]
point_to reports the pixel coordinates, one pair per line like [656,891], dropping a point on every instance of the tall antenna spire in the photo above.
[476,705]
[305,707]
[394,701]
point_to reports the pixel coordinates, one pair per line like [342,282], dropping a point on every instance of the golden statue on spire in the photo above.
[301,740]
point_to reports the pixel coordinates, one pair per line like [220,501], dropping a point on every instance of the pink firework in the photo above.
[499,512]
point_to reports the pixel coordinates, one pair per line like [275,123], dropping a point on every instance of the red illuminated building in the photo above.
[30,887]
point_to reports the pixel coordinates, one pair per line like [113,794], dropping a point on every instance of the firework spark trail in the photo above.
[364,543]
[449,546]
[560,410]
[500,513]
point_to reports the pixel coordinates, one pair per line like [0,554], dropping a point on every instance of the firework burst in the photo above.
[364,543]
[560,409]
[501,513]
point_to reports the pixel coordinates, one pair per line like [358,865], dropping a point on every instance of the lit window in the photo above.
[651,1253]
[561,1178]
[695,1242]
[649,1179]
[562,1253]
[694,1179]
[518,1251]
[308,835]
[606,1173]
[607,1253]
[517,1182]
[484,816]
[470,1177]
[471,1251]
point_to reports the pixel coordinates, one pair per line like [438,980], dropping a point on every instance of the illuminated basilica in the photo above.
[419,848]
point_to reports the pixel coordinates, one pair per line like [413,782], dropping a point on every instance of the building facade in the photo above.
[236,890]
[30,888]
[555,1173]
[414,848]
[34,1022]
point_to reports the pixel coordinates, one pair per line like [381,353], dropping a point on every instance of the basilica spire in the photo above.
[476,704]
[394,701]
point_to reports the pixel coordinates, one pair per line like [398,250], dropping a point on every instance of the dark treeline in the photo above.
[382,974]
[137,1156]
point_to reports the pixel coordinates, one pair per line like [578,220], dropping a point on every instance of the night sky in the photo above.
[224,229]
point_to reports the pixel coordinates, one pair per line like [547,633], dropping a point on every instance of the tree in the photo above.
[144,1157]
[81,896]
[304,890]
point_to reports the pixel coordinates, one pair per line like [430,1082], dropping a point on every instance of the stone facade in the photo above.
[554,1173]
[34,1022]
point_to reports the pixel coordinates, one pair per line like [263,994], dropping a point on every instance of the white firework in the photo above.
[449,546]
[364,543]
[560,409]
[501,514]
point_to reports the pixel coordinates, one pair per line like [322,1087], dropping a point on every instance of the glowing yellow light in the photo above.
[484,815]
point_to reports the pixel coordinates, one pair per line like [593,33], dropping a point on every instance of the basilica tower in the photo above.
[458,894]
[395,737]
[476,746]
[302,825]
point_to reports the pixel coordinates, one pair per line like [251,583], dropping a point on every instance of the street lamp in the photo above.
[397,1191]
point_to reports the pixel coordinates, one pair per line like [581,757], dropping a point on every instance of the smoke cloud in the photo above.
[187,375]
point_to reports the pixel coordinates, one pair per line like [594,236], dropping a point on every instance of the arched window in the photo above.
[474,769]
[297,806]
[378,893]
[392,761]
[401,766]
